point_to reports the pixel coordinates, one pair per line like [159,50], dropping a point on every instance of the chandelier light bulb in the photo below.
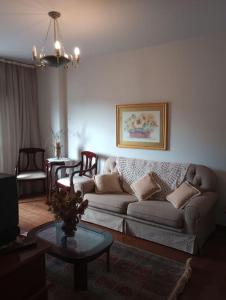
[34,52]
[57,45]
[77,53]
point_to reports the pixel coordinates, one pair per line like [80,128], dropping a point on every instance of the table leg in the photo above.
[47,181]
[50,184]
[108,260]
[80,276]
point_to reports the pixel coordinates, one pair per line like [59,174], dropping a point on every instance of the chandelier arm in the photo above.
[60,35]
[46,37]
[54,30]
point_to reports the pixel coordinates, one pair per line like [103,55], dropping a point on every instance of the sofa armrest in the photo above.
[85,187]
[199,210]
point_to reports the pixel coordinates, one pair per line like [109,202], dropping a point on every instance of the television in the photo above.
[9,218]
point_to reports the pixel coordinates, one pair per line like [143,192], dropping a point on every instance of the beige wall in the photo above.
[188,74]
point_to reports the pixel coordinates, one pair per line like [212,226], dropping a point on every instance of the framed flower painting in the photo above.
[142,126]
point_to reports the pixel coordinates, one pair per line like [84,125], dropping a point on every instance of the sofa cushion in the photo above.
[112,202]
[145,187]
[182,195]
[107,183]
[161,212]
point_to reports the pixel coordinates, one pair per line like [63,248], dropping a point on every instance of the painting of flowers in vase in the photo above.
[142,126]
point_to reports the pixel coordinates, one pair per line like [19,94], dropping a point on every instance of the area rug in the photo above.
[135,274]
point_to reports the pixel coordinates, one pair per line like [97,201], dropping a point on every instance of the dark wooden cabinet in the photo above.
[23,275]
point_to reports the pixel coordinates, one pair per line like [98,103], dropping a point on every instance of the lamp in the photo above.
[59,57]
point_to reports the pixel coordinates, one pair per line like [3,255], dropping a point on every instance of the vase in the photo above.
[69,226]
[58,150]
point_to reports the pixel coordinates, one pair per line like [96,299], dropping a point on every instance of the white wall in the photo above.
[189,74]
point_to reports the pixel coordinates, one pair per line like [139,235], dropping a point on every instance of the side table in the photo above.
[51,164]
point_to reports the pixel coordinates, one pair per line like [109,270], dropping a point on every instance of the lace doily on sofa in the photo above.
[168,175]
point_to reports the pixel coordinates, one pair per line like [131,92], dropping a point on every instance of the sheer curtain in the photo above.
[19,124]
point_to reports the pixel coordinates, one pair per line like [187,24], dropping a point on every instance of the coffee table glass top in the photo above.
[86,242]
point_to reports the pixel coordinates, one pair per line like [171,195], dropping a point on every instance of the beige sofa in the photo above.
[159,221]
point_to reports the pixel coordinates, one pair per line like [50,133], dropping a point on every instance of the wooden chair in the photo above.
[79,172]
[31,166]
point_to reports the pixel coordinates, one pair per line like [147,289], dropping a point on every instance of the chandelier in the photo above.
[58,57]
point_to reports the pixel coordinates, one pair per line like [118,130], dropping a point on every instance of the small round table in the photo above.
[87,244]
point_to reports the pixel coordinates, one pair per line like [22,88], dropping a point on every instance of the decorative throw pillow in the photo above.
[107,183]
[145,187]
[182,194]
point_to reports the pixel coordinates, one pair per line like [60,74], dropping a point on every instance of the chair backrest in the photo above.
[30,159]
[89,161]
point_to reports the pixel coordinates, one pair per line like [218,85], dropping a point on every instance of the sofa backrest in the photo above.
[110,165]
[200,176]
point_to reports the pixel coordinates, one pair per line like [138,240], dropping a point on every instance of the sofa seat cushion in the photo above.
[160,212]
[112,202]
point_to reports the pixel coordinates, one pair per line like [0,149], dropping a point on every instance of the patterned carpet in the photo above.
[135,274]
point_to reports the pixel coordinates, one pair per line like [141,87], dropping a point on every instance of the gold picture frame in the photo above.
[143,126]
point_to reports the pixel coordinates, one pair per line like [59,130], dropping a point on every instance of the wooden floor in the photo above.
[33,212]
[208,280]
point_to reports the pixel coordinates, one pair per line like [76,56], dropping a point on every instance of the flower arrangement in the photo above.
[68,207]
[57,135]
[140,125]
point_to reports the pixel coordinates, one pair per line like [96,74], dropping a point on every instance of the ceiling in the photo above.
[106,26]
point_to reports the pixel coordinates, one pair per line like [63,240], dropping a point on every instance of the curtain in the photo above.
[19,123]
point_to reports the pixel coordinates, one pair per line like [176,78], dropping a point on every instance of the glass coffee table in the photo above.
[87,244]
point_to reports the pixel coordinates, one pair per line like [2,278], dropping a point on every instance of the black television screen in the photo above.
[9,218]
